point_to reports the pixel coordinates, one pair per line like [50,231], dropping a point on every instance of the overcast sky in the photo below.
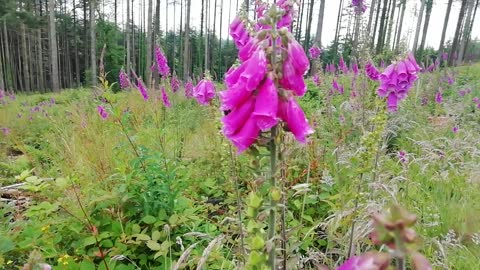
[330,19]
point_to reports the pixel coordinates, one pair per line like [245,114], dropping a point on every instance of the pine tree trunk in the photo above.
[377,15]
[8,64]
[445,25]
[466,32]
[212,37]
[318,35]
[206,33]
[115,11]
[41,76]
[127,37]
[425,26]
[186,58]
[24,64]
[339,24]
[93,43]
[298,32]
[419,25]
[390,24]
[400,24]
[53,47]
[77,64]
[85,35]
[309,26]
[471,26]
[456,39]
[370,17]
[148,71]
[220,61]
[381,31]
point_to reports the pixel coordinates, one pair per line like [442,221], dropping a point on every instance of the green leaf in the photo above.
[153,245]
[156,235]
[142,237]
[149,219]
[6,245]
[87,265]
[89,241]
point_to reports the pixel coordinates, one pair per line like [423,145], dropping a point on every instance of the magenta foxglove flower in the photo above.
[204,92]
[188,89]
[239,33]
[162,63]
[371,71]
[141,88]
[291,113]
[438,97]
[368,261]
[315,52]
[342,66]
[298,57]
[123,78]
[355,69]
[455,129]
[337,87]
[396,81]
[174,83]
[102,112]
[450,80]
[476,100]
[266,106]
[165,99]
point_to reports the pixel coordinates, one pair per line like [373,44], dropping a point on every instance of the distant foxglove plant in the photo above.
[165,99]
[162,63]
[102,112]
[359,6]
[315,52]
[204,92]
[123,78]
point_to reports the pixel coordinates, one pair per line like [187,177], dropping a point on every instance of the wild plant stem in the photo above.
[239,203]
[400,257]
[124,130]
[352,231]
[273,203]
[284,213]
[92,228]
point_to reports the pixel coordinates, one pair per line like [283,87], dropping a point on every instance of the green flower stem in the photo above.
[273,203]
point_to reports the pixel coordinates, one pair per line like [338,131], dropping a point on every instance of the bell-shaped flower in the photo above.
[315,52]
[342,66]
[162,64]
[239,33]
[204,92]
[292,114]
[233,97]
[438,97]
[255,70]
[371,71]
[292,80]
[367,261]
[246,51]
[165,99]
[246,135]
[298,58]
[236,119]
[266,105]
[233,75]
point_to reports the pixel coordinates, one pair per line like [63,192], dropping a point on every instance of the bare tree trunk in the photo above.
[370,17]
[93,43]
[339,24]
[471,26]
[377,15]
[318,35]
[212,37]
[400,24]
[186,58]
[206,33]
[466,32]
[445,25]
[8,65]
[390,24]
[24,64]
[425,26]
[148,71]
[115,11]
[309,25]
[77,65]
[456,39]
[85,35]
[381,31]
[220,61]
[53,47]
[298,32]
[127,37]
[419,25]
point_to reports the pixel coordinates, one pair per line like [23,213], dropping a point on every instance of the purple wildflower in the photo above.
[102,112]
[315,52]
[189,89]
[174,83]
[359,6]
[141,88]
[165,99]
[342,66]
[438,97]
[402,156]
[455,129]
[444,56]
[368,261]
[450,80]
[123,78]
[371,71]
[5,131]
[162,64]
[476,100]
[204,92]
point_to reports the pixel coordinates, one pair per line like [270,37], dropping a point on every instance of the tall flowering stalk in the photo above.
[261,91]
